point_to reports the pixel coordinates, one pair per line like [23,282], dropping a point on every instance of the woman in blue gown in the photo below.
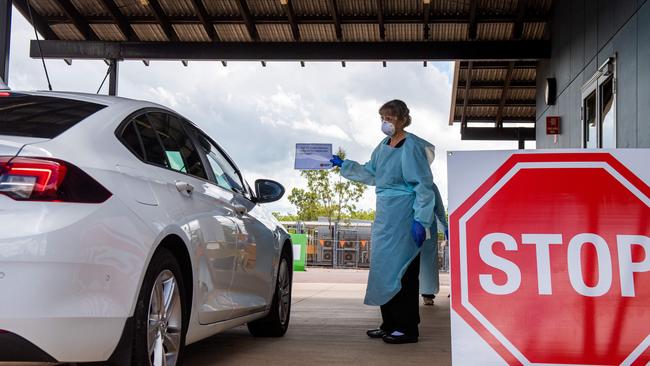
[429,269]
[399,168]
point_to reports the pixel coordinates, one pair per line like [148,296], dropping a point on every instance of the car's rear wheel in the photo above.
[276,323]
[160,317]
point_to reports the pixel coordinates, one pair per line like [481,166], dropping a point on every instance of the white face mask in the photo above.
[387,128]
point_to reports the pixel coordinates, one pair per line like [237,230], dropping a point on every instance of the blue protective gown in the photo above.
[405,191]
[429,275]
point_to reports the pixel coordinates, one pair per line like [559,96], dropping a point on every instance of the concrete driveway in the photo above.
[328,324]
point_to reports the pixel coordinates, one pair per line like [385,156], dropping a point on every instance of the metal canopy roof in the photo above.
[292,29]
[498,41]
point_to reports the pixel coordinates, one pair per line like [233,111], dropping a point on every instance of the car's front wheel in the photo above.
[160,324]
[276,323]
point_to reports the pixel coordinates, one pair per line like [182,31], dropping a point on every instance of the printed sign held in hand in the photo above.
[313,156]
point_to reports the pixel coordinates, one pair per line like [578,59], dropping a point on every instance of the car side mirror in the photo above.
[268,190]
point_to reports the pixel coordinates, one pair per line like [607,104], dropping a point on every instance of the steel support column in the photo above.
[5,38]
[522,139]
[113,77]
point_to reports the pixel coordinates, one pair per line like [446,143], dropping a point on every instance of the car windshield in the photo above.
[40,116]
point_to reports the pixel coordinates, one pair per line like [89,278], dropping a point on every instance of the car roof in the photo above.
[107,100]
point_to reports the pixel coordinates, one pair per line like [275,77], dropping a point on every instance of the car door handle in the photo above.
[184,187]
[240,209]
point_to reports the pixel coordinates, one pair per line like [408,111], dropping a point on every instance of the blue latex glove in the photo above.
[418,232]
[336,161]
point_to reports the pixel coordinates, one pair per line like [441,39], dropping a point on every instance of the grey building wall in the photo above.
[584,33]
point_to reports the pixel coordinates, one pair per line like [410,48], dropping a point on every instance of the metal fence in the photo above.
[345,245]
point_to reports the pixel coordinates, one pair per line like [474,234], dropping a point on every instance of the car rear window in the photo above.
[40,116]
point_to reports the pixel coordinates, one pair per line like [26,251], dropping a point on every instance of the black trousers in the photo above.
[402,312]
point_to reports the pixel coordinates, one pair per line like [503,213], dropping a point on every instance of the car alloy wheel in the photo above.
[165,319]
[284,292]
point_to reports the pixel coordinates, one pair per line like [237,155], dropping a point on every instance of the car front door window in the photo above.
[225,175]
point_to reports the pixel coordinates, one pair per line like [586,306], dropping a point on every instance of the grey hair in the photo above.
[397,108]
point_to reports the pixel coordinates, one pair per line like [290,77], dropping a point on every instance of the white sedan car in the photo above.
[126,233]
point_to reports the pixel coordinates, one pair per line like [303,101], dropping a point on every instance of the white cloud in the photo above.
[364,120]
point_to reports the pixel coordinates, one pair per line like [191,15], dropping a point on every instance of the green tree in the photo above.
[284,217]
[368,215]
[328,194]
[306,203]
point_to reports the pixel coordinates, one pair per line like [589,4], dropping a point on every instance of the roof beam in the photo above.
[37,20]
[496,103]
[245,13]
[291,16]
[121,20]
[334,9]
[308,19]
[204,18]
[514,84]
[518,27]
[426,9]
[163,20]
[501,134]
[504,94]
[468,84]
[292,51]
[490,120]
[472,27]
[500,65]
[78,20]
[380,20]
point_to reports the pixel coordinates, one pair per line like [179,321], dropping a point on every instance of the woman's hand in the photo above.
[418,232]
[336,161]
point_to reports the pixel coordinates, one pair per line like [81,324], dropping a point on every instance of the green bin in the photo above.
[299,251]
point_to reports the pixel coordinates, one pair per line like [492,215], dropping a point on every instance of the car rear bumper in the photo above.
[67,340]
[69,276]
[14,348]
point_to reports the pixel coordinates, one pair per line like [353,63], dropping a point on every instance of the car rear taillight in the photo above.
[40,179]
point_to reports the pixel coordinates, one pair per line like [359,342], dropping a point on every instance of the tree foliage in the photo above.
[328,194]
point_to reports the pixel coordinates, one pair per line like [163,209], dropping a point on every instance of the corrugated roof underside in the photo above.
[485,93]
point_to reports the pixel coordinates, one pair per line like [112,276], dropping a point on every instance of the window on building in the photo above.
[599,108]
[607,113]
[591,136]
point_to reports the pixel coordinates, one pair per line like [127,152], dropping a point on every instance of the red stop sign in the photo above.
[551,261]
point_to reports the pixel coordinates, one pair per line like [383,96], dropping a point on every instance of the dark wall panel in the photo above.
[643,79]
[606,19]
[623,11]
[561,45]
[624,46]
[573,123]
[577,37]
[585,34]
[591,29]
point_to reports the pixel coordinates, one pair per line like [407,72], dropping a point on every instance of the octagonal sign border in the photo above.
[489,188]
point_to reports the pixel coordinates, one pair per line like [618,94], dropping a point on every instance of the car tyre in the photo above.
[276,323]
[160,314]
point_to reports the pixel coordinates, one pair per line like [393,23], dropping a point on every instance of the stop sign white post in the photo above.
[550,257]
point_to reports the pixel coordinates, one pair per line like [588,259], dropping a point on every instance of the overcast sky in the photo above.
[258,114]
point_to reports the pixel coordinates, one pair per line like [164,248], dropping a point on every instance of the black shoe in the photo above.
[376,333]
[400,339]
